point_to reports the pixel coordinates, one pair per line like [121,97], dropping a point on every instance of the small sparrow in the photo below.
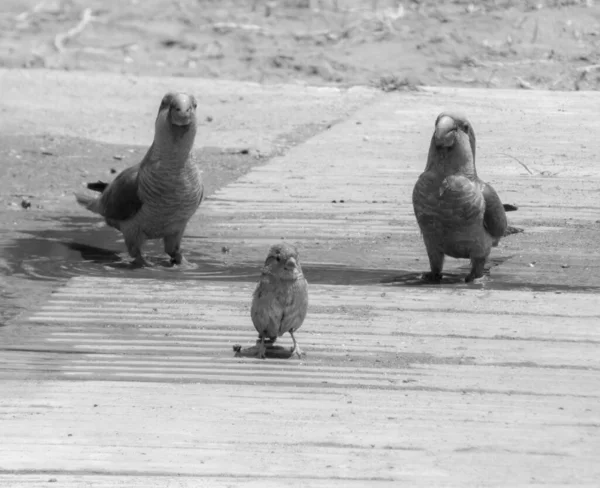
[280,301]
[156,198]
[459,214]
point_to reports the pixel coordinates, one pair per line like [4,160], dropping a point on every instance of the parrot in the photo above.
[459,214]
[280,300]
[156,198]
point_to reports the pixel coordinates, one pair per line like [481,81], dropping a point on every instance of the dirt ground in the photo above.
[552,44]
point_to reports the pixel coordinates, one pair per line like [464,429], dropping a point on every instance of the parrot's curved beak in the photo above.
[182,110]
[182,117]
[445,132]
[290,264]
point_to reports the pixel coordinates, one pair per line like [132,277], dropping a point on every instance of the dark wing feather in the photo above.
[120,200]
[494,218]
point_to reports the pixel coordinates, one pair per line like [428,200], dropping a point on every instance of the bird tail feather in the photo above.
[91,203]
[98,186]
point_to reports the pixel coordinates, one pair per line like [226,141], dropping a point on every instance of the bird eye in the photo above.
[278,258]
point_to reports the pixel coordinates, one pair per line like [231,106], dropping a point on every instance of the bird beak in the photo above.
[181,116]
[182,110]
[290,264]
[445,132]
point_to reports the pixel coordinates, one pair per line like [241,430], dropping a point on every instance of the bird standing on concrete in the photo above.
[459,215]
[280,301]
[156,198]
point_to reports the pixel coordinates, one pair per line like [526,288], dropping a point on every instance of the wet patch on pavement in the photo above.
[85,246]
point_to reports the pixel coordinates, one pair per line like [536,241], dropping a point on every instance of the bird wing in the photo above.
[120,200]
[494,218]
[266,311]
[424,197]
[295,309]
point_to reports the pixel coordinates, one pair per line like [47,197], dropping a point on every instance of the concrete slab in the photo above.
[130,379]
[134,378]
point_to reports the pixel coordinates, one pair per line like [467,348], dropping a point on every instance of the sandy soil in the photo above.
[393,44]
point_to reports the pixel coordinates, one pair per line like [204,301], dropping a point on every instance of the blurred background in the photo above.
[390,44]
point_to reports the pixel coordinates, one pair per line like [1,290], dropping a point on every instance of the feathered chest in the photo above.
[449,199]
[175,187]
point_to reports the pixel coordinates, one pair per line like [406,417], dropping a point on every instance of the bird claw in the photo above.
[141,262]
[430,277]
[177,258]
[296,351]
[470,278]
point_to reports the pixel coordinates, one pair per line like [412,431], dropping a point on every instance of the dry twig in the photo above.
[518,161]
[523,84]
[61,39]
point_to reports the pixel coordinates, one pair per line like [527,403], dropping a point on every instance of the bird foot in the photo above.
[472,278]
[141,262]
[296,351]
[178,259]
[430,277]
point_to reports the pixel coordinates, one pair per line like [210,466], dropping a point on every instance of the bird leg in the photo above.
[296,348]
[477,269]
[134,247]
[262,349]
[172,248]
[436,263]
[141,262]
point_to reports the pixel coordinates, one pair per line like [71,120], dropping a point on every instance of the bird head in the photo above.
[283,262]
[453,144]
[177,114]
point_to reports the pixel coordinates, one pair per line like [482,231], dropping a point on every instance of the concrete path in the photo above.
[124,381]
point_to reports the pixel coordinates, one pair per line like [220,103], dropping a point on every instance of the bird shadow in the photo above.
[271,352]
[415,279]
[454,277]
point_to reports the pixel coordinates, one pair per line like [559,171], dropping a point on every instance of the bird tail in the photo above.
[507,207]
[99,186]
[91,203]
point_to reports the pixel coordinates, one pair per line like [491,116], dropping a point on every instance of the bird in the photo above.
[280,300]
[156,198]
[459,214]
